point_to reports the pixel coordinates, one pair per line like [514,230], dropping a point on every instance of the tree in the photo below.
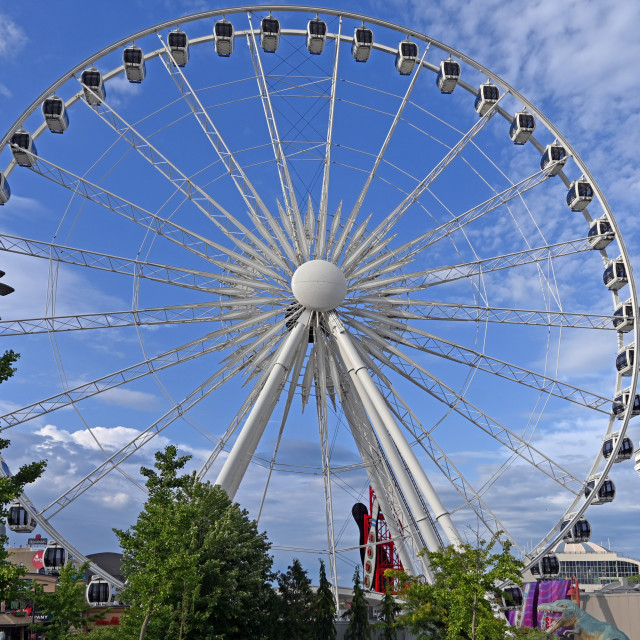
[195,563]
[12,584]
[325,609]
[66,605]
[458,604]
[389,611]
[295,604]
[359,627]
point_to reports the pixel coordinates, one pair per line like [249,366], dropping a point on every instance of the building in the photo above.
[593,565]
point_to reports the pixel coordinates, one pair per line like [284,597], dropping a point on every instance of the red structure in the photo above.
[386,553]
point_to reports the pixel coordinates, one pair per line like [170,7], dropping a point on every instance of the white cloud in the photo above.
[4,90]
[129,398]
[12,37]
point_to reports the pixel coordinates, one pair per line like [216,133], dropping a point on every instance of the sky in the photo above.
[570,59]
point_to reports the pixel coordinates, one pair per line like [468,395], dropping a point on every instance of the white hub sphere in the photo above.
[319,285]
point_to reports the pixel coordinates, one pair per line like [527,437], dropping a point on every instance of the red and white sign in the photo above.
[37,559]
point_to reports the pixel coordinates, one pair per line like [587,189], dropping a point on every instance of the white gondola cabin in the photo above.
[223,33]
[622,400]
[615,275]
[555,156]
[580,532]
[94,90]
[179,47]
[624,452]
[600,234]
[448,76]
[5,190]
[55,114]
[625,359]
[362,44]
[487,96]
[98,593]
[606,493]
[134,67]
[547,567]
[512,598]
[522,127]
[19,519]
[623,317]
[316,35]
[406,57]
[580,194]
[54,558]
[23,148]
[269,34]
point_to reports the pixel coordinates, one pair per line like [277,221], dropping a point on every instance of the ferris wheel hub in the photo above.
[319,285]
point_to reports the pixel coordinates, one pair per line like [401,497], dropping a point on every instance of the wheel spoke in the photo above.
[288,192]
[346,231]
[430,277]
[387,224]
[243,184]
[429,343]
[413,309]
[430,383]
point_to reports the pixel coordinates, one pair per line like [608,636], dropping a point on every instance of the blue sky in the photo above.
[568,59]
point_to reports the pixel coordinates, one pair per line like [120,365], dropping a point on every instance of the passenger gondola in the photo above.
[94,90]
[580,532]
[98,593]
[316,35]
[134,67]
[621,401]
[448,76]
[606,493]
[580,194]
[223,38]
[488,94]
[547,567]
[5,289]
[624,361]
[615,275]
[54,558]
[522,127]
[55,114]
[624,452]
[600,234]
[23,148]
[512,598]
[406,57]
[19,520]
[5,190]
[269,34]
[179,47]
[553,159]
[362,44]
[623,317]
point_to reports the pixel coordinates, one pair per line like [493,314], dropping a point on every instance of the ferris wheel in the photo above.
[326,252]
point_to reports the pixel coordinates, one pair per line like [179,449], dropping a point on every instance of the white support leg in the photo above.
[236,464]
[390,434]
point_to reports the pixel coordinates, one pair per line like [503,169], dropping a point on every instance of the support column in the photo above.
[235,466]
[389,434]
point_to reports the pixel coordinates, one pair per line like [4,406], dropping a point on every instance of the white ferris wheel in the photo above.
[336,253]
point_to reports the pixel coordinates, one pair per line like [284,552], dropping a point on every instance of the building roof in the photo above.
[108,561]
[580,547]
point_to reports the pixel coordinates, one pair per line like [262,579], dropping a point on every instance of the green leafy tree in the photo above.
[195,563]
[66,605]
[295,604]
[389,611]
[359,627]
[12,584]
[457,605]
[325,609]
[6,360]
